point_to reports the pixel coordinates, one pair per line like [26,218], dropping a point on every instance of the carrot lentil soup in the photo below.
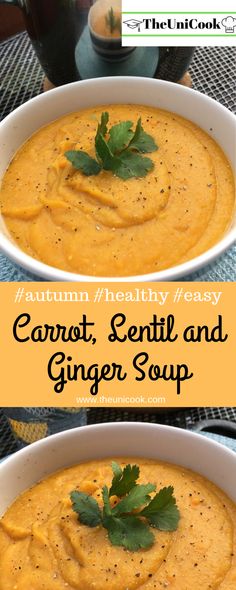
[43,545]
[103,225]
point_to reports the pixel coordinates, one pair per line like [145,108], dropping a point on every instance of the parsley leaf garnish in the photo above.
[121,152]
[132,165]
[87,508]
[105,156]
[129,532]
[120,136]
[102,127]
[106,501]
[162,512]
[137,497]
[127,521]
[126,530]
[123,480]
[141,141]
[82,161]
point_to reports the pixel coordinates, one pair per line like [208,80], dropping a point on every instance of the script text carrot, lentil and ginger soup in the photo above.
[72,531]
[93,199]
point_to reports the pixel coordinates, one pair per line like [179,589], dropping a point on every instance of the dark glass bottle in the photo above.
[54,27]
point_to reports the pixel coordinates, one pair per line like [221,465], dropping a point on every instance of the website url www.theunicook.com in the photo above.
[133,400]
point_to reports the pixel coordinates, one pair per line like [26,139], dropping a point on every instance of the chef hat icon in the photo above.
[229,23]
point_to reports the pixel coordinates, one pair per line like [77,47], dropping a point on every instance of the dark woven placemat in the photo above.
[213,72]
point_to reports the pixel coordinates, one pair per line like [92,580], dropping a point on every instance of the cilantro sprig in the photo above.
[128,520]
[118,149]
[112,21]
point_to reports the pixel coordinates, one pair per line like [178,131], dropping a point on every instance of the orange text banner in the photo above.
[117,344]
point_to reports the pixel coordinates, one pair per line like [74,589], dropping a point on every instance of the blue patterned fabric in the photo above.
[224,440]
[34,423]
[223,269]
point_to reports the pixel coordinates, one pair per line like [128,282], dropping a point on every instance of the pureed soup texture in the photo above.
[106,225]
[44,545]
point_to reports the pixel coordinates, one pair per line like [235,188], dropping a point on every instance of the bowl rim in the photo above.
[181,447]
[49,440]
[38,268]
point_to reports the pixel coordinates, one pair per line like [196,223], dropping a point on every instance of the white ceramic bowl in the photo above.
[28,118]
[153,441]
